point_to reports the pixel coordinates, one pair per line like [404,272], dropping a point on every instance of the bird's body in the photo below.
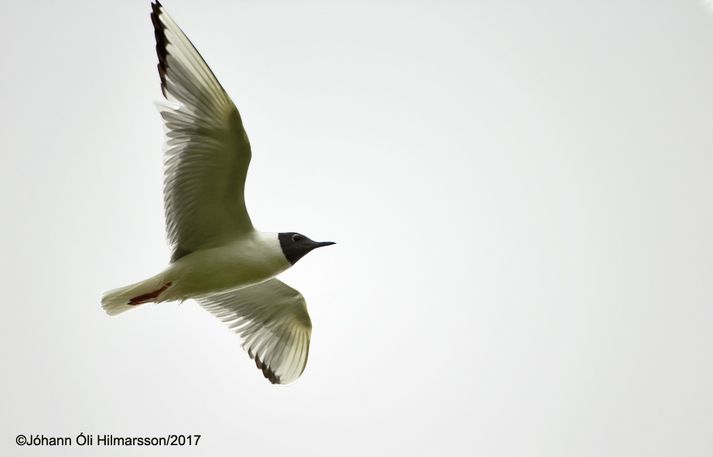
[252,258]
[219,259]
[249,259]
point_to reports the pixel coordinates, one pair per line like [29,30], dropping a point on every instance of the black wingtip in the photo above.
[266,371]
[161,42]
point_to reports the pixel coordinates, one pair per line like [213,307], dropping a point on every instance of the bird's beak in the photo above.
[324,243]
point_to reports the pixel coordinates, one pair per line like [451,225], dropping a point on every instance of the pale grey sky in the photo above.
[521,193]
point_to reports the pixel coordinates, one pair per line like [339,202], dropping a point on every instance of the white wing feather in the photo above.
[207,152]
[272,320]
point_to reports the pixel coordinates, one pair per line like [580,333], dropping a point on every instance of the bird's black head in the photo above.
[295,245]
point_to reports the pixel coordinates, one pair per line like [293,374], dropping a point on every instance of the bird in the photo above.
[218,258]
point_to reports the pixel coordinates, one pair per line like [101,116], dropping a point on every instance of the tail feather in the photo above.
[119,300]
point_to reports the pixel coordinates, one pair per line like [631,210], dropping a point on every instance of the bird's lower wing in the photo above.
[272,320]
[207,152]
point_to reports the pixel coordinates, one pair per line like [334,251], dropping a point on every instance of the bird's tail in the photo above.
[125,298]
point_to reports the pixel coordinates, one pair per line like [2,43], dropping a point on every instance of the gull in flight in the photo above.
[219,259]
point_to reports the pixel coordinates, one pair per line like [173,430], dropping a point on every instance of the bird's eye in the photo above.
[296,237]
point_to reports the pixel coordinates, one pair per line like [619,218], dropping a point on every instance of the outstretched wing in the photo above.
[272,320]
[207,152]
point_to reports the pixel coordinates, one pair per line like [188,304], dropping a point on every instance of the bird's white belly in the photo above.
[226,267]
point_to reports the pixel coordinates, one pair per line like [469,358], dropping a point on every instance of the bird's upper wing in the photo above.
[272,320]
[207,152]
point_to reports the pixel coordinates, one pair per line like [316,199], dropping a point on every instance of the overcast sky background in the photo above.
[521,193]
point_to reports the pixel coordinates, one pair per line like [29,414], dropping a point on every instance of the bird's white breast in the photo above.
[250,259]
